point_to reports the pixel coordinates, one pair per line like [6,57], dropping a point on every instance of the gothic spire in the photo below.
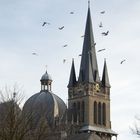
[72,79]
[105,78]
[89,68]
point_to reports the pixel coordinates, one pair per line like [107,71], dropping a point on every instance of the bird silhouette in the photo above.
[71,12]
[102,12]
[100,25]
[101,50]
[34,53]
[64,60]
[105,33]
[122,61]
[60,28]
[65,45]
[45,23]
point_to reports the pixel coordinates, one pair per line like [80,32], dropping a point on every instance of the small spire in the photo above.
[72,79]
[105,78]
[46,69]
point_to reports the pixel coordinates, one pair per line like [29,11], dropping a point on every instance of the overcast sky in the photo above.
[21,34]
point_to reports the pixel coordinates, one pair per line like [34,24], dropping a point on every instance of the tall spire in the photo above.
[105,78]
[72,80]
[88,68]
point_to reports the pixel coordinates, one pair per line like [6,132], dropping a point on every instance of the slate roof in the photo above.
[46,76]
[47,104]
[105,78]
[72,79]
[89,68]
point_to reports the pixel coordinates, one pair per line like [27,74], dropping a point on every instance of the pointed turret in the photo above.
[105,78]
[72,79]
[89,68]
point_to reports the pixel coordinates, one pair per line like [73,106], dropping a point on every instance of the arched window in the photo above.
[104,114]
[74,112]
[99,114]
[95,112]
[82,111]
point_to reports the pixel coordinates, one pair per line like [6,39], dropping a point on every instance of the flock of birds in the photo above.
[105,34]
[62,27]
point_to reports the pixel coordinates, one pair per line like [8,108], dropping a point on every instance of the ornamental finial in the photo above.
[88,3]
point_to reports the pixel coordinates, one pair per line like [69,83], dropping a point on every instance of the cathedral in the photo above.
[88,110]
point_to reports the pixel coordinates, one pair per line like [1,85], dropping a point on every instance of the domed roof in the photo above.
[46,76]
[47,104]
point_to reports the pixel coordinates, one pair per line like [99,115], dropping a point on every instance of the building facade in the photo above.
[89,96]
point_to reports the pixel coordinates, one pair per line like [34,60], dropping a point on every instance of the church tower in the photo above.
[89,96]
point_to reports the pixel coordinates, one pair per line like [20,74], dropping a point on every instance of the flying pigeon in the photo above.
[34,53]
[64,60]
[105,33]
[71,12]
[44,23]
[102,12]
[122,61]
[65,45]
[101,50]
[60,28]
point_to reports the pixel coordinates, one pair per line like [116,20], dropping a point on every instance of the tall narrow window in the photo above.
[99,114]
[74,112]
[83,111]
[95,112]
[104,114]
[78,111]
